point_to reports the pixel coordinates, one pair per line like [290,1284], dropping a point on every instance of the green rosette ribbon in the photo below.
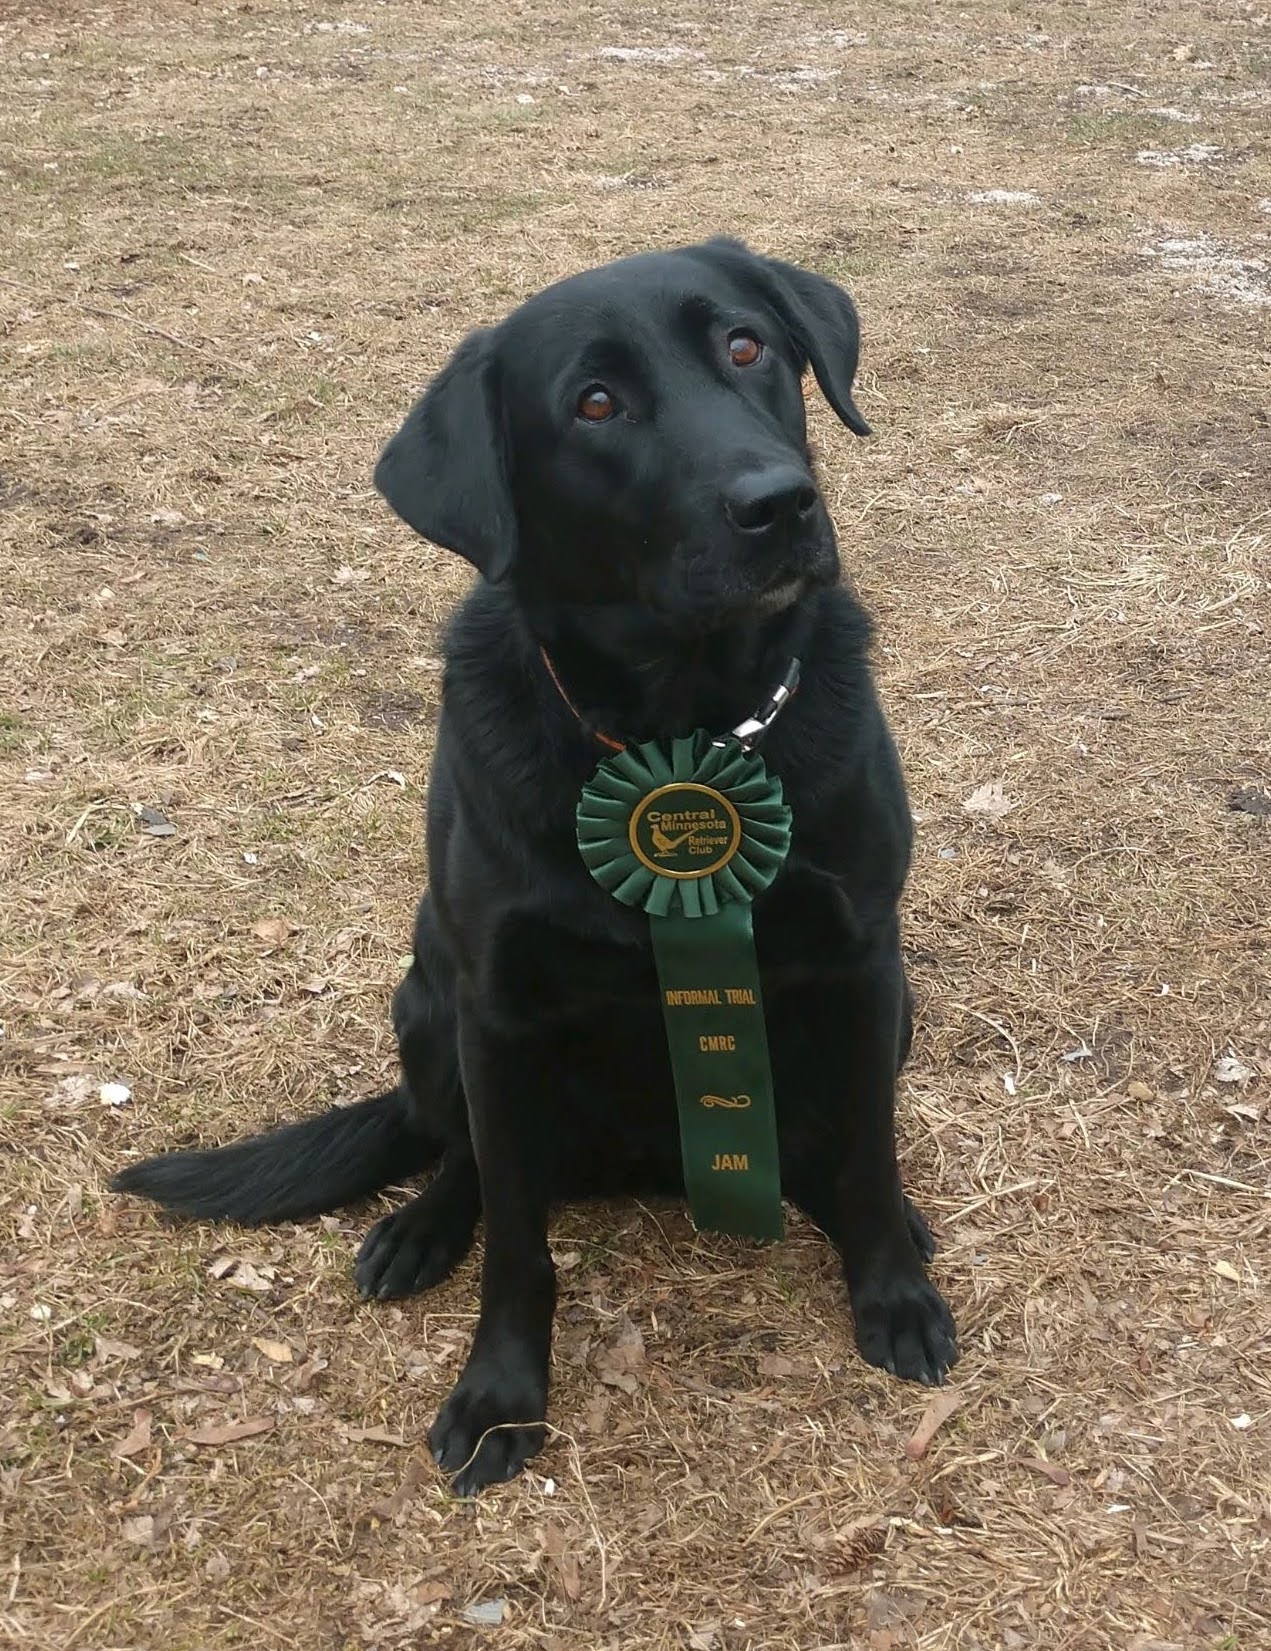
[691,836]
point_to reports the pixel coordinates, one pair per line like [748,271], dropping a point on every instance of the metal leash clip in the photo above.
[752,730]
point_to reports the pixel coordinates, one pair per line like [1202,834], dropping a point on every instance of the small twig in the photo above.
[148,1475]
[326,1508]
[776,1513]
[85,1623]
[558,1432]
[704,1390]
[1218,1181]
[263,1627]
[92,808]
[1001,1032]
[131,320]
[591,1510]
[992,1197]
[199,264]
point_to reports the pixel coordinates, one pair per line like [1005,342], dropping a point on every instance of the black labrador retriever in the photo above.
[625,461]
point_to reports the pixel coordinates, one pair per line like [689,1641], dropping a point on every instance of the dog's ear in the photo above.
[821,319]
[445,471]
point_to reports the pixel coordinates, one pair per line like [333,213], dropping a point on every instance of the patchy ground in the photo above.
[237,238]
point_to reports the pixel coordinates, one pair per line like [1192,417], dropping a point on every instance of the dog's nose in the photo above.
[778,496]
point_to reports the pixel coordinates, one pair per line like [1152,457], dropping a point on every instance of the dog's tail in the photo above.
[291,1173]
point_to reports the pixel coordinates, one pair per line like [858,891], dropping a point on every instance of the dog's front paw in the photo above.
[489,1427]
[903,1324]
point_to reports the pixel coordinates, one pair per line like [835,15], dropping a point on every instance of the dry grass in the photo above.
[237,239]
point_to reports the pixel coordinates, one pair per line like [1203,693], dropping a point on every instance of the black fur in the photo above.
[672,558]
[290,1174]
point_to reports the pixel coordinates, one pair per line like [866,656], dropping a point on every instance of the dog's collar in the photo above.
[747,733]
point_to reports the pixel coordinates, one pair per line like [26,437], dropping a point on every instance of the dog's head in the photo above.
[636,434]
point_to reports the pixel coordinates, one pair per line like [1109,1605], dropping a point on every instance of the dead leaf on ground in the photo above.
[557,1547]
[229,1433]
[595,1416]
[944,1402]
[570,1577]
[1251,799]
[372,1436]
[989,801]
[106,1348]
[241,1275]
[387,1508]
[72,1091]
[153,822]
[622,1362]
[487,1613]
[138,1436]
[307,1373]
[278,1352]
[895,1610]
[1050,1470]
[274,931]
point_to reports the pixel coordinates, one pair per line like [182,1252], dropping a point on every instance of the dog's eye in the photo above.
[596,404]
[744,348]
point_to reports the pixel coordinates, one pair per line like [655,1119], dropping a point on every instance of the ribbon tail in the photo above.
[713,1009]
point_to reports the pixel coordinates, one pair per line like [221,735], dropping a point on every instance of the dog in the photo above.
[625,462]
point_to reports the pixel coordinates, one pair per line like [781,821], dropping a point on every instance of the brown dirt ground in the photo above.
[237,238]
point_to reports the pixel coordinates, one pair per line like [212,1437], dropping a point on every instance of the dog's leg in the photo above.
[843,1167]
[421,1244]
[491,1424]
[814,1188]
